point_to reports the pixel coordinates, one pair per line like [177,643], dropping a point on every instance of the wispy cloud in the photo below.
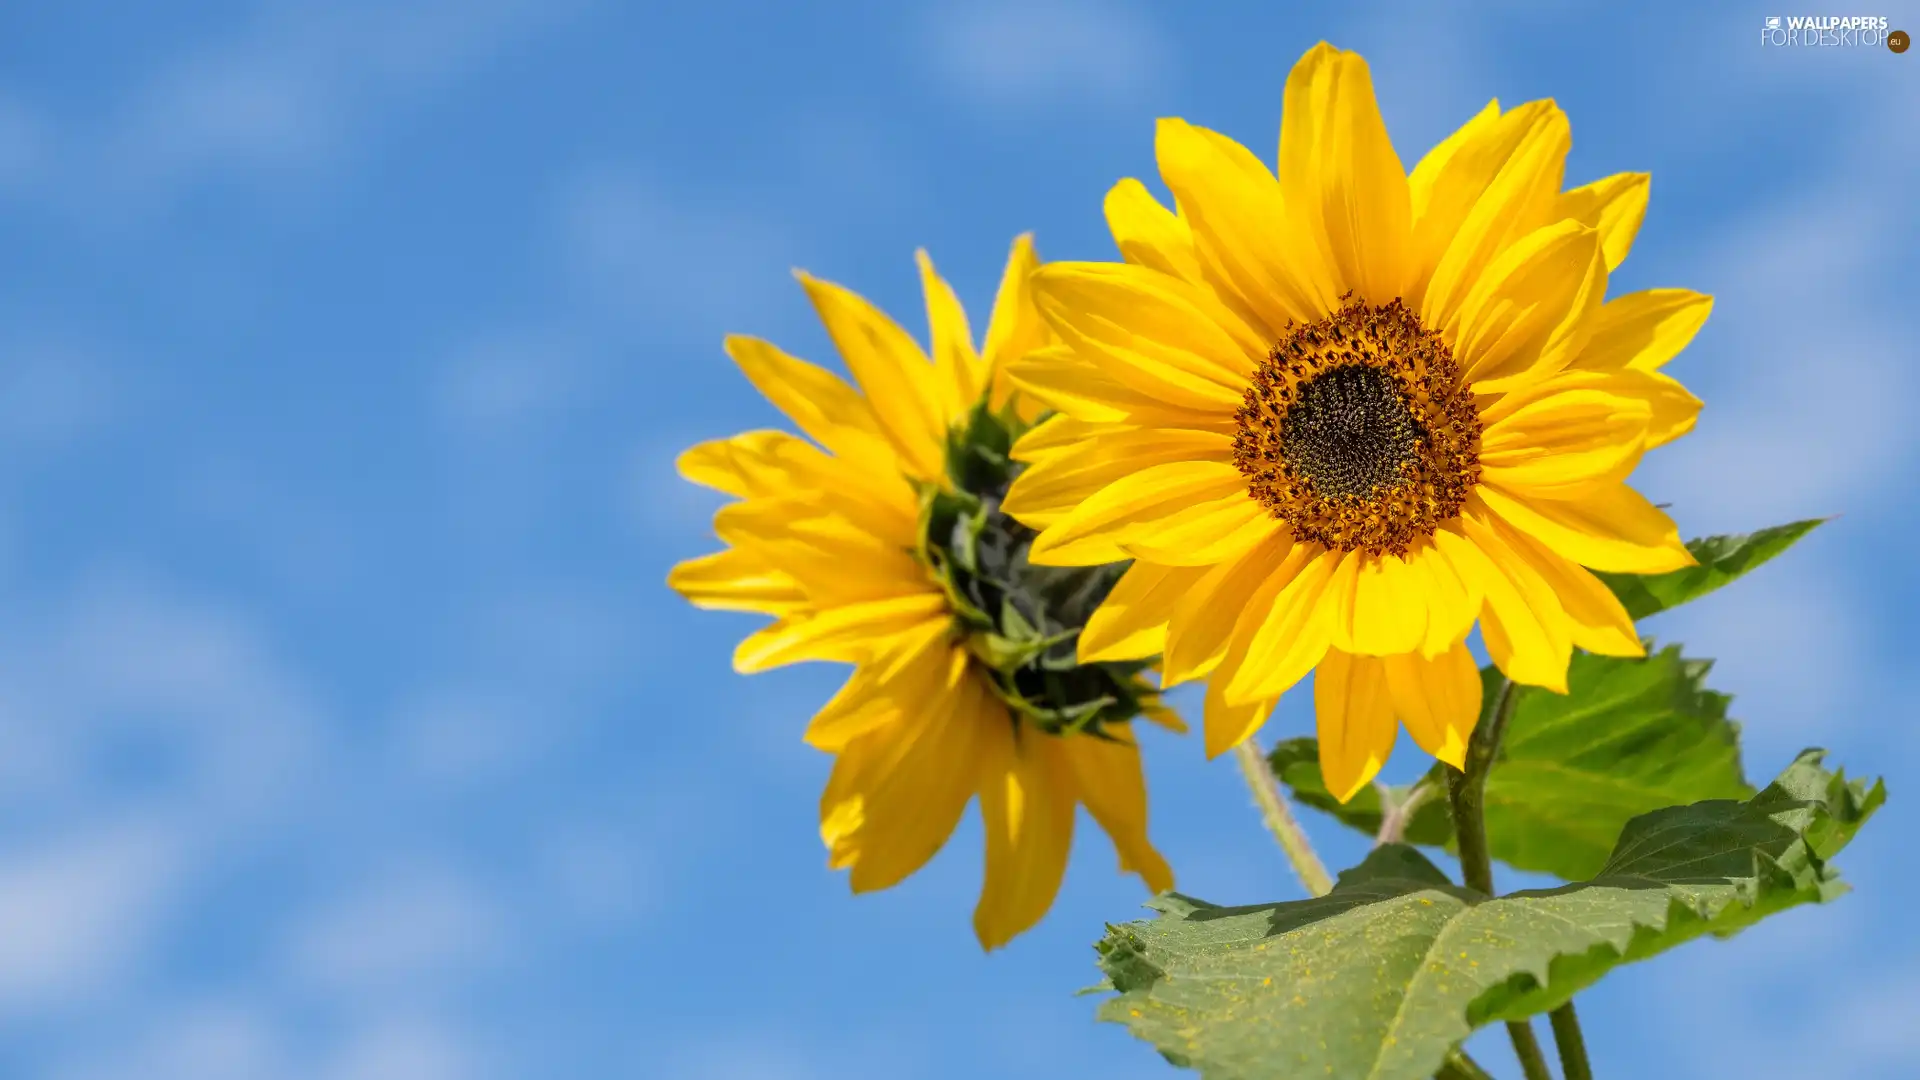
[511,380]
[393,939]
[290,91]
[672,259]
[148,739]
[76,914]
[1033,54]
[228,1040]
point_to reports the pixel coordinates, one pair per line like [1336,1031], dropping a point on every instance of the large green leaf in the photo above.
[1720,558]
[1629,736]
[1381,977]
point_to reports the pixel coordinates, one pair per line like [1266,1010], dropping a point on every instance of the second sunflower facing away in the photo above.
[884,546]
[1339,414]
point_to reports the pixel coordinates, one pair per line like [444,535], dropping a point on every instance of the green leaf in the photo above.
[1629,736]
[1380,978]
[1721,559]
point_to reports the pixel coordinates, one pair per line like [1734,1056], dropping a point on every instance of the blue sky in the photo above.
[347,729]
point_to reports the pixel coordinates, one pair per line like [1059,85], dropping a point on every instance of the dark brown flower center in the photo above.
[1358,432]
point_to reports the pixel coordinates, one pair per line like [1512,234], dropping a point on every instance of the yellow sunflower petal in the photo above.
[1644,330]
[1614,206]
[1379,605]
[1524,626]
[1500,185]
[1131,623]
[1203,621]
[1598,621]
[912,794]
[1227,726]
[1353,713]
[1438,700]
[1340,180]
[1453,597]
[826,408]
[736,580]
[1149,234]
[1015,327]
[912,670]
[1133,507]
[1671,410]
[1565,438]
[1107,774]
[955,363]
[1157,334]
[1529,315]
[848,633]
[775,464]
[1425,178]
[834,556]
[742,465]
[1056,433]
[1277,644]
[1081,389]
[1205,534]
[1050,489]
[1611,528]
[1027,806]
[1234,209]
[901,385]
[1163,717]
[1674,409]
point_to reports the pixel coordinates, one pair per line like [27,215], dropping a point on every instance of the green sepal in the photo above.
[1020,620]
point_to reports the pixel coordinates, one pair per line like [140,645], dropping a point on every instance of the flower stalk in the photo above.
[1279,818]
[1466,796]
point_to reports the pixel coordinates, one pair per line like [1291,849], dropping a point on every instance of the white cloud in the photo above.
[1007,52]
[290,91]
[602,877]
[1808,374]
[461,737]
[285,90]
[1789,641]
[254,1040]
[145,740]
[649,254]
[512,380]
[407,1050]
[126,671]
[414,933]
[197,1041]
[76,912]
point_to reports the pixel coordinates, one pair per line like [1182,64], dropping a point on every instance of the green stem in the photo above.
[1572,1045]
[1394,818]
[1526,1047]
[1279,818]
[1459,1066]
[1466,794]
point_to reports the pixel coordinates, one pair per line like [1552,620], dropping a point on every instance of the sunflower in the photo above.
[1339,414]
[881,543]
